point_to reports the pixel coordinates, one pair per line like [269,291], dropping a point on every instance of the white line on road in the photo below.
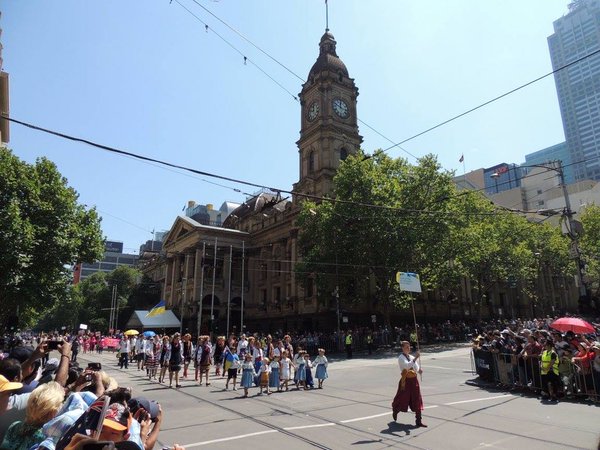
[331,424]
[230,438]
[365,418]
[318,425]
[477,399]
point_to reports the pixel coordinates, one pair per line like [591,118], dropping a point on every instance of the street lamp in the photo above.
[495,176]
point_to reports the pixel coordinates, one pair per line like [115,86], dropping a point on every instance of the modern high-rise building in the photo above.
[113,257]
[576,35]
[559,152]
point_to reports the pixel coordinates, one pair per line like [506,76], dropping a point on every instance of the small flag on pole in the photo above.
[462,158]
[157,310]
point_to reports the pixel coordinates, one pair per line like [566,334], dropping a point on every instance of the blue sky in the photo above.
[146,77]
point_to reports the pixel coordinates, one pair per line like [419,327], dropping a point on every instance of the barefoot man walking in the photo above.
[409,392]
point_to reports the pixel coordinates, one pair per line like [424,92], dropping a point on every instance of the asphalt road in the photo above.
[353,411]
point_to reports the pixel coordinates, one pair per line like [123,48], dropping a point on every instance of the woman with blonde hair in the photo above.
[43,404]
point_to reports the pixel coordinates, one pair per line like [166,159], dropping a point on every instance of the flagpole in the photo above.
[416,330]
[199,327]
[212,299]
[242,302]
[229,291]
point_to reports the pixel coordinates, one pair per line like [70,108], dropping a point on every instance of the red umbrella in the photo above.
[573,324]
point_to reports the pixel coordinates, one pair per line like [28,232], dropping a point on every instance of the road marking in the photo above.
[365,418]
[319,425]
[230,438]
[477,399]
[331,424]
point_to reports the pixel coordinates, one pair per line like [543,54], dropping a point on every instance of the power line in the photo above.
[234,180]
[493,100]
[246,59]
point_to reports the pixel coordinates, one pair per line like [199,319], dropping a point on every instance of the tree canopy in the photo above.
[392,216]
[43,231]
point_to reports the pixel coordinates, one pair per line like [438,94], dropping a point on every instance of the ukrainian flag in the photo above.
[157,310]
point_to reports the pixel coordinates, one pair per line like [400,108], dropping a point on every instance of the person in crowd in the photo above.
[233,367]
[42,405]
[218,353]
[163,361]
[188,353]
[309,384]
[175,358]
[75,345]
[300,375]
[274,379]
[139,352]
[242,346]
[203,357]
[286,369]
[263,376]
[348,343]
[256,352]
[321,364]
[549,370]
[248,373]
[124,350]
[408,394]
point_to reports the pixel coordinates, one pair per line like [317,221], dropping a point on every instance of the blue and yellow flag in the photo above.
[157,310]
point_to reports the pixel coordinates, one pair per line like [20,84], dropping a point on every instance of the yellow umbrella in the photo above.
[132,333]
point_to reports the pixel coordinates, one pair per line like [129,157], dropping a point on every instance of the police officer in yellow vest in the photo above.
[370,343]
[348,342]
[549,370]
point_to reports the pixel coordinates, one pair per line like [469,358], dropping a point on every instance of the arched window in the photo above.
[311,162]
[343,154]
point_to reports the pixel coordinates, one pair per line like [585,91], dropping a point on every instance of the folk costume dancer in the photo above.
[409,391]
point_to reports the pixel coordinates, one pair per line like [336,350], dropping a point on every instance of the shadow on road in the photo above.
[398,429]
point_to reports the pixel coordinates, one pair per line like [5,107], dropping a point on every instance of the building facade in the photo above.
[558,152]
[576,35]
[501,177]
[113,257]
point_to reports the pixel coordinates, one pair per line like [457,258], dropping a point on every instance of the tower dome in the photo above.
[328,58]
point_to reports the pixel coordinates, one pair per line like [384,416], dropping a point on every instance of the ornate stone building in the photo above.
[250,280]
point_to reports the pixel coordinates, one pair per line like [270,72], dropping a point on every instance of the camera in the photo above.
[53,344]
[96,367]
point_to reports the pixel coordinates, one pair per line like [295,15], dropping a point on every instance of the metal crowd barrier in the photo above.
[509,371]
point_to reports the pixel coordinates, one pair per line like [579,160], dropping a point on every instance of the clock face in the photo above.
[313,111]
[341,108]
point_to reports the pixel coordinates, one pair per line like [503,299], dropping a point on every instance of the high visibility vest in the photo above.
[349,339]
[547,362]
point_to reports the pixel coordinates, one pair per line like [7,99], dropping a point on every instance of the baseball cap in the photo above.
[150,406]
[117,417]
[6,385]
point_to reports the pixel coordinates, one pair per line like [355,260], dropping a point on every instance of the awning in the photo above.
[166,320]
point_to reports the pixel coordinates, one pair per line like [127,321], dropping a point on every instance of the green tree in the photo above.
[43,230]
[372,243]
[590,248]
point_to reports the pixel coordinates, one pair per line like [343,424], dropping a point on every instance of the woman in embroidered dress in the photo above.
[162,359]
[248,373]
[152,350]
[188,352]
[321,364]
[409,392]
[307,367]
[204,359]
[175,360]
[218,355]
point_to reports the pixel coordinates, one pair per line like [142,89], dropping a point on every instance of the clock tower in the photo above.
[329,129]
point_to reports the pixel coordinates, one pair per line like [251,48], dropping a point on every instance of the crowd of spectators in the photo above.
[532,355]
[52,403]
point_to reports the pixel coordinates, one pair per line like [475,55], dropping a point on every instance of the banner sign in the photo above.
[83,326]
[409,281]
[110,342]
[483,364]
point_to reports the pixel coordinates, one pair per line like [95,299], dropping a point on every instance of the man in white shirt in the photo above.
[409,391]
[124,349]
